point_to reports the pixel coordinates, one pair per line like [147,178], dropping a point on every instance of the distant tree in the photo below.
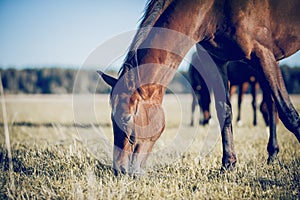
[27,79]
[291,76]
[61,81]
[10,80]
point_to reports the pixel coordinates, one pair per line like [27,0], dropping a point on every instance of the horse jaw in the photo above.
[135,137]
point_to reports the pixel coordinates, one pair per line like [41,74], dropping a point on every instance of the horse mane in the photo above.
[153,10]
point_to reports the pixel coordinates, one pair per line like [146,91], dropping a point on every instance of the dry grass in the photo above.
[51,161]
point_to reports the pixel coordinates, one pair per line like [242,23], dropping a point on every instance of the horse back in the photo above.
[272,23]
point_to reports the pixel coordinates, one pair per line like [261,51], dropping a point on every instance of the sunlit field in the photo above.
[53,158]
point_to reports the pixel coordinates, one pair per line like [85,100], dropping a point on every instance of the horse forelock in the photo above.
[153,10]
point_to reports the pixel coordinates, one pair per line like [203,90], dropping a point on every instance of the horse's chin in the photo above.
[131,170]
[137,172]
[128,163]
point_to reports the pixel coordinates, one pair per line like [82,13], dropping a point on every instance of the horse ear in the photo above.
[108,79]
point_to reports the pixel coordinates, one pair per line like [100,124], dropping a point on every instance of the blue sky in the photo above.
[64,32]
[37,32]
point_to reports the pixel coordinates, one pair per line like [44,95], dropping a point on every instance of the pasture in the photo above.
[51,159]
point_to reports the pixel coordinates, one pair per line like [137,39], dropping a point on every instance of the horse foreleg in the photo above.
[204,104]
[264,110]
[194,103]
[253,93]
[269,112]
[229,156]
[224,111]
[273,147]
[232,90]
[240,96]
[243,87]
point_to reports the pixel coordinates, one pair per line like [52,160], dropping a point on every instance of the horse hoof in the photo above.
[228,166]
[272,159]
[205,121]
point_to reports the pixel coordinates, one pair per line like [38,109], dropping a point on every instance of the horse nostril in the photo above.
[116,172]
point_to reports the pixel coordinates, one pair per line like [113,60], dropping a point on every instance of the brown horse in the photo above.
[240,75]
[257,32]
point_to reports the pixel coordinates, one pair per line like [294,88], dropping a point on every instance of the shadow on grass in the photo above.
[67,125]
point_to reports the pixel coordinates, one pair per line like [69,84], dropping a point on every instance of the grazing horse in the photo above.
[239,75]
[259,33]
[242,75]
[201,94]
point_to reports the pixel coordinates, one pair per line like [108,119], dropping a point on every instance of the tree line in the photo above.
[61,81]
[48,81]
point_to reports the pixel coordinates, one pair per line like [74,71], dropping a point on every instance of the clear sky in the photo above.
[46,32]
[64,32]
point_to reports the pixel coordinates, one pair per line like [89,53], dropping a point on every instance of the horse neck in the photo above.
[158,56]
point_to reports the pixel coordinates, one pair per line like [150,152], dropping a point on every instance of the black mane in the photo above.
[153,10]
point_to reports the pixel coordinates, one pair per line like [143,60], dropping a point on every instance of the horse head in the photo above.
[137,123]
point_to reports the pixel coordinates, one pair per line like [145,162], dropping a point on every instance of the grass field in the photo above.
[53,159]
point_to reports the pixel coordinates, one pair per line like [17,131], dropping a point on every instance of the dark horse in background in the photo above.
[200,93]
[259,33]
[241,76]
